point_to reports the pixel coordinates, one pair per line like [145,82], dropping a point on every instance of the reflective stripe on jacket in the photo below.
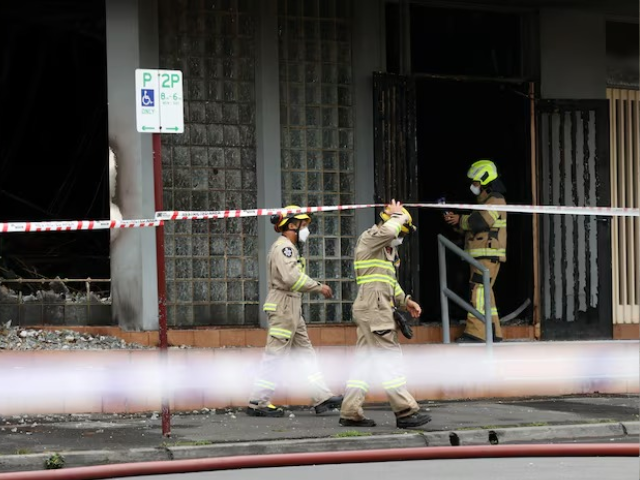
[378,288]
[486,231]
[286,271]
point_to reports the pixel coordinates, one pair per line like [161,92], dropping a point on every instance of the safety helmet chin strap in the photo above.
[296,230]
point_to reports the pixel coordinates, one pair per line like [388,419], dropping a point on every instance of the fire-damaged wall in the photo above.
[574,169]
[576,250]
[319,74]
[211,265]
[132,42]
[317,141]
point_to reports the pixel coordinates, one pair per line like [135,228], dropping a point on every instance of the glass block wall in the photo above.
[316,116]
[212,269]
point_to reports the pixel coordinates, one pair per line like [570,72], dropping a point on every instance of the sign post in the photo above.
[160,109]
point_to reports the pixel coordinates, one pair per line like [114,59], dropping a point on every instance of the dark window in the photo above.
[393,29]
[622,54]
[465,42]
[54,147]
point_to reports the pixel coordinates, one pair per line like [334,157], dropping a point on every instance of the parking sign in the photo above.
[159,101]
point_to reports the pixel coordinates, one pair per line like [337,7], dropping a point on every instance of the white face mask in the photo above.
[475,190]
[303,234]
[396,242]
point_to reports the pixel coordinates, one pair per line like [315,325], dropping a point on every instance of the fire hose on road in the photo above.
[326,458]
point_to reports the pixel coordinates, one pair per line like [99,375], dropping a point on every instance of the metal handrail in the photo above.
[447,294]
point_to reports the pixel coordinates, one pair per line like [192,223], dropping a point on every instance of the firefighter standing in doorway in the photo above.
[377,347]
[287,281]
[485,240]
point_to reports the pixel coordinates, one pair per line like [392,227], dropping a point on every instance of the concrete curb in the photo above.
[85,458]
[10,463]
[559,431]
[530,434]
[631,428]
[408,440]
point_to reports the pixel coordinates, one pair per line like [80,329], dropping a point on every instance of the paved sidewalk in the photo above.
[25,442]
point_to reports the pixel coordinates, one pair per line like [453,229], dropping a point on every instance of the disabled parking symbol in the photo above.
[147,98]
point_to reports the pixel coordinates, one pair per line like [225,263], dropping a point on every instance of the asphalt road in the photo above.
[558,468]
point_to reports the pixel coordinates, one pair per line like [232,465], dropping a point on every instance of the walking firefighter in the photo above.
[378,355]
[287,332]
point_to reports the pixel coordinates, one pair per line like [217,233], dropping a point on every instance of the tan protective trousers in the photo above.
[378,357]
[287,334]
[475,327]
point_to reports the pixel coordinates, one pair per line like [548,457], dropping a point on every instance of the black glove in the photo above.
[403,324]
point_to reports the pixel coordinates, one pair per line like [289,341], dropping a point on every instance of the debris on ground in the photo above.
[20,338]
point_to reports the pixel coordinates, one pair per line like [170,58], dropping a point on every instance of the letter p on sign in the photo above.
[146,78]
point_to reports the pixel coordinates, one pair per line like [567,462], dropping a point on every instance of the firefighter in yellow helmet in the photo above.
[377,349]
[485,240]
[287,282]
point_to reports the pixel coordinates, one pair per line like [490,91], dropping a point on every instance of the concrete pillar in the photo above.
[132,42]
[269,169]
[368,56]
[573,56]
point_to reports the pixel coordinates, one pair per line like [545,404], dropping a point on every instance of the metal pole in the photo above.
[444,303]
[444,243]
[88,285]
[162,291]
[455,298]
[535,220]
[486,280]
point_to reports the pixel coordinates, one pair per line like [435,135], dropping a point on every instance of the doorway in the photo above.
[459,122]
[470,68]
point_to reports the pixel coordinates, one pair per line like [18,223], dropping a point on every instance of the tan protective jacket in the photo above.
[375,266]
[286,275]
[486,231]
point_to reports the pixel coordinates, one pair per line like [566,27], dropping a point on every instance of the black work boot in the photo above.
[466,338]
[365,422]
[329,404]
[414,420]
[253,410]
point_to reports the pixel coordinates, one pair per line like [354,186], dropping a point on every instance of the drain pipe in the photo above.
[324,458]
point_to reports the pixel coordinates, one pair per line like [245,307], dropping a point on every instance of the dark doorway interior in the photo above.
[466,111]
[53,152]
[458,123]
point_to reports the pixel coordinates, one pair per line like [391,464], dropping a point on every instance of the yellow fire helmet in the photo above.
[280,220]
[483,171]
[407,228]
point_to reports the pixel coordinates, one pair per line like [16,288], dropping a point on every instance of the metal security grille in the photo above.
[316,116]
[624,113]
[212,266]
[396,157]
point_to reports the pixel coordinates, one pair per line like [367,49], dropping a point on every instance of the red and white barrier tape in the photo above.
[161,217]
[73,225]
[553,210]
[548,209]
[179,215]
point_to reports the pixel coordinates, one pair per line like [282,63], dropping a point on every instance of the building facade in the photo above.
[281,108]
